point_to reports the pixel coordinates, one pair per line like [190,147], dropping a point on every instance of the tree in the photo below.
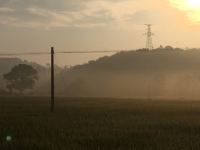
[20,78]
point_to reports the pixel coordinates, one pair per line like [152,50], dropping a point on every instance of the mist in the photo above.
[158,74]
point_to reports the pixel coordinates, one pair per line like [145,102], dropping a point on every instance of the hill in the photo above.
[160,73]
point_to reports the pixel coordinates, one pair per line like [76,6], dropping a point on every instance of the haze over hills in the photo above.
[160,73]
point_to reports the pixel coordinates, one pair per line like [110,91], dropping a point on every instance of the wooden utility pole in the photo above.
[52,80]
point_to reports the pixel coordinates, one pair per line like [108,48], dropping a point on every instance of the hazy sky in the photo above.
[36,25]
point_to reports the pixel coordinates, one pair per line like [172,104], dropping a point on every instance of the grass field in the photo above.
[99,124]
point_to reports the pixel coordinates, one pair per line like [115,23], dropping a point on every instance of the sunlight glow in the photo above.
[193,3]
[190,7]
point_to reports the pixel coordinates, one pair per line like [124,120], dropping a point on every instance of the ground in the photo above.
[99,124]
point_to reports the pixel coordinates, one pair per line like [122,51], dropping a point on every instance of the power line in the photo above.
[60,52]
[24,53]
[74,52]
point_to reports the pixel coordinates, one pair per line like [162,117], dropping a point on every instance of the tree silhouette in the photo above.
[20,78]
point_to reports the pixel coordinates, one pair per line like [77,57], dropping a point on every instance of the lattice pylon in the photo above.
[149,34]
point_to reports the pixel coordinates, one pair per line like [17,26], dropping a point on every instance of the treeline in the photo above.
[165,72]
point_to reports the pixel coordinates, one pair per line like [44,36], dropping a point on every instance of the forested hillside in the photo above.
[160,73]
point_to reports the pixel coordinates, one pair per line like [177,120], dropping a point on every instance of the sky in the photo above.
[74,25]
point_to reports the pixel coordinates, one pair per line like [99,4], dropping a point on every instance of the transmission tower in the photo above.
[149,34]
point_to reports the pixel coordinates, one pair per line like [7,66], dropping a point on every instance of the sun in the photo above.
[186,4]
[193,3]
[190,7]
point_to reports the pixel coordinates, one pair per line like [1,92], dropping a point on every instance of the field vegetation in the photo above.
[99,124]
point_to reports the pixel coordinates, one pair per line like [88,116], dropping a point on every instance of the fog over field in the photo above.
[163,73]
[99,74]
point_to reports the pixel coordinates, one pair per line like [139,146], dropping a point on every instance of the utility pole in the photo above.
[149,34]
[52,80]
